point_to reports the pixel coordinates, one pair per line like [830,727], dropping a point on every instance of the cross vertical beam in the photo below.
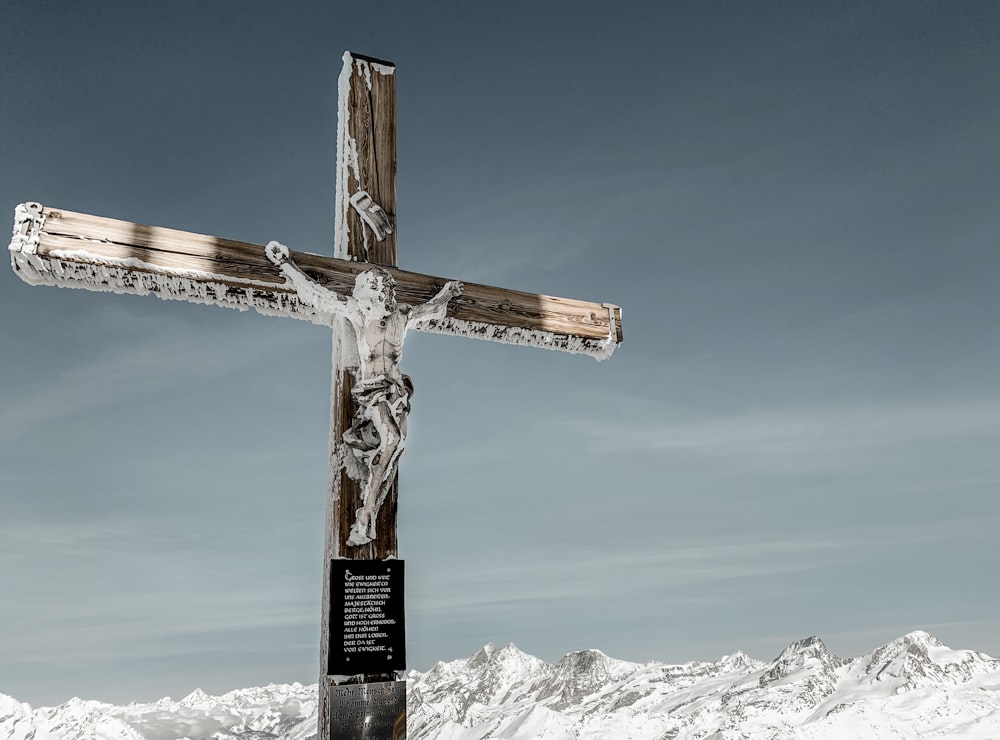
[366,161]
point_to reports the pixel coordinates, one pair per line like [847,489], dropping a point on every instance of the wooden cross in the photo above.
[52,246]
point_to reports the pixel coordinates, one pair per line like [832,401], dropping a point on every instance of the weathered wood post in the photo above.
[366,162]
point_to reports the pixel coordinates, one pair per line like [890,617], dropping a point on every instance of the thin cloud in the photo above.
[145,363]
[791,437]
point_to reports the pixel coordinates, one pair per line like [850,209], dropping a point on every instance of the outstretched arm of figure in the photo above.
[437,307]
[308,290]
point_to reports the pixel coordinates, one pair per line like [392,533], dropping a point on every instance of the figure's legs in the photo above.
[387,472]
[382,462]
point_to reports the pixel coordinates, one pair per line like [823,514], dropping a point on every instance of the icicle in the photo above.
[599,349]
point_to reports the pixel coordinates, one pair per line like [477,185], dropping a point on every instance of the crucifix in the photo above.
[370,304]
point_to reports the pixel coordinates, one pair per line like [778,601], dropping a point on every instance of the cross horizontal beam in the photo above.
[51,246]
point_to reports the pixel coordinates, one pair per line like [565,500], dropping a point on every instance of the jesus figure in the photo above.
[381,391]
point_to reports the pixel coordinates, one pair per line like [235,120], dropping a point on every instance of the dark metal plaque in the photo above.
[368,711]
[367,630]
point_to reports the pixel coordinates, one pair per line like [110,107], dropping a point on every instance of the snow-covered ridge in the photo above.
[912,687]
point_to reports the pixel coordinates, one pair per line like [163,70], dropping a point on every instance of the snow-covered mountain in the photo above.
[912,687]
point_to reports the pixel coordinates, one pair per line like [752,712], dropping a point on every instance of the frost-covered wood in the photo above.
[52,246]
[366,163]
[366,159]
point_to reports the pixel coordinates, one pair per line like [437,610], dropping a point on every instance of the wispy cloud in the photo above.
[793,437]
[144,359]
[550,577]
[129,583]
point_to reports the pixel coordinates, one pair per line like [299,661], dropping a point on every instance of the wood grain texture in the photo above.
[370,129]
[84,238]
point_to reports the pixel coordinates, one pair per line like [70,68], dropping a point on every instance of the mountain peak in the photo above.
[806,656]
[913,646]
[589,656]
[483,655]
[804,674]
[595,662]
[195,697]
[510,649]
[509,657]
[920,637]
[9,707]
[813,646]
[918,659]
[738,661]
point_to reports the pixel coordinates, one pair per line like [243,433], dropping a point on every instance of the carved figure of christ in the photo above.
[381,391]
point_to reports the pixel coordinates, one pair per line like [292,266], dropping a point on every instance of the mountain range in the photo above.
[912,687]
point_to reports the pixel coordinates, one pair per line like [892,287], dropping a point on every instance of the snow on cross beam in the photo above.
[52,246]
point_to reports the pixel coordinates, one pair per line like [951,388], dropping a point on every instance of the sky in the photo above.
[794,204]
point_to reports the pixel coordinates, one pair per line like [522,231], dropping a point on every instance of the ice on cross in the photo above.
[377,435]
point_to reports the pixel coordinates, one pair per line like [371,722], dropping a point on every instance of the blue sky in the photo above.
[795,205]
